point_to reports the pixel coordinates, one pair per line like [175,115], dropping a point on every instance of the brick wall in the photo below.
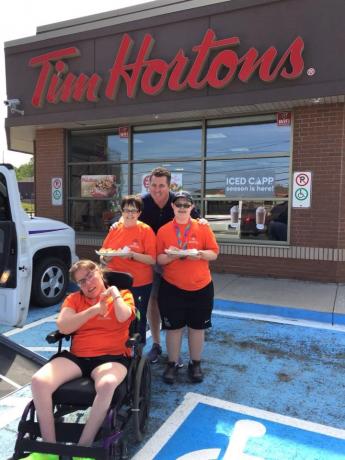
[279,268]
[49,163]
[318,146]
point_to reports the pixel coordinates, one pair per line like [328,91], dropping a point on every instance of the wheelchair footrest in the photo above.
[67,432]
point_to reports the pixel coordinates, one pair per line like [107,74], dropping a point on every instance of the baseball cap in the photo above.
[182,194]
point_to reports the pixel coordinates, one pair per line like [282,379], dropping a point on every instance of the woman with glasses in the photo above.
[134,244]
[98,316]
[185,297]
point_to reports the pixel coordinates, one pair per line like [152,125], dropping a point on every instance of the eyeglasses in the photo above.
[130,210]
[183,205]
[87,278]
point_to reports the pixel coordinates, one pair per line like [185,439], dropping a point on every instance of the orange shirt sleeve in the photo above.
[72,301]
[129,300]
[210,239]
[108,242]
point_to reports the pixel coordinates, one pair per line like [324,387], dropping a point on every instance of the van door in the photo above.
[15,264]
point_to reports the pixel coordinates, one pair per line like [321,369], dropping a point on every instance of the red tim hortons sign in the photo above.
[56,84]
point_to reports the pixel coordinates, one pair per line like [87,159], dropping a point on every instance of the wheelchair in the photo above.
[126,417]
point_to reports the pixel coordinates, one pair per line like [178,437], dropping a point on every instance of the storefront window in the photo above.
[255,139]
[264,220]
[239,177]
[247,184]
[97,179]
[184,175]
[96,195]
[86,146]
[168,144]
[231,178]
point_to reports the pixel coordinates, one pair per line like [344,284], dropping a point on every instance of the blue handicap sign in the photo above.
[210,429]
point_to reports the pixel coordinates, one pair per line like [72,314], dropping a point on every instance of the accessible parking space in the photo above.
[287,378]
[205,428]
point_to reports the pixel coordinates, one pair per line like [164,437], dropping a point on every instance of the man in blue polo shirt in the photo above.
[156,213]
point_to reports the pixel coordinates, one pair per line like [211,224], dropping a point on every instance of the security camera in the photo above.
[12,104]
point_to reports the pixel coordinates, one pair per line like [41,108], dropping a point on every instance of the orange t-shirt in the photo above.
[100,335]
[189,275]
[141,239]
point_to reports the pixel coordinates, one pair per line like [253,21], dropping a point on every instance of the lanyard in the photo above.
[180,243]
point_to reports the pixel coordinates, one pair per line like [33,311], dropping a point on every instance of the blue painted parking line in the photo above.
[277,311]
[205,428]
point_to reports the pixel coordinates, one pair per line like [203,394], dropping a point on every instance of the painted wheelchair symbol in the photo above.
[243,431]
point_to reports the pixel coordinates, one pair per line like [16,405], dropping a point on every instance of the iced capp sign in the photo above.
[250,184]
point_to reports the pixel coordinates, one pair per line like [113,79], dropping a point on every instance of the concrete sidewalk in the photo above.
[304,296]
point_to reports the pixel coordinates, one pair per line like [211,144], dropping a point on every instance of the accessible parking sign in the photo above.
[301,191]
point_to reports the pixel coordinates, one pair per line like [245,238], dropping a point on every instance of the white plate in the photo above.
[112,253]
[182,252]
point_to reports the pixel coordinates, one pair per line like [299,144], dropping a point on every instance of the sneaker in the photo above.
[195,373]
[180,363]
[170,373]
[154,353]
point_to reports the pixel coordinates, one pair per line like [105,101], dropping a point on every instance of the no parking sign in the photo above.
[301,191]
[57,191]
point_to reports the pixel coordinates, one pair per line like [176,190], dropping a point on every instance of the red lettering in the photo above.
[154,68]
[227,59]
[129,72]
[202,55]
[45,60]
[179,66]
[56,84]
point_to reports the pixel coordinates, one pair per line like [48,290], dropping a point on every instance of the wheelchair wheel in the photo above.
[142,398]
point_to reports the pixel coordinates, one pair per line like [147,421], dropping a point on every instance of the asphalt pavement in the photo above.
[273,359]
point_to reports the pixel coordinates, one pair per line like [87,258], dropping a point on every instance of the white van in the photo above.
[35,255]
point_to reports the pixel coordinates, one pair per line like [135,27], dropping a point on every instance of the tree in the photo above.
[25,170]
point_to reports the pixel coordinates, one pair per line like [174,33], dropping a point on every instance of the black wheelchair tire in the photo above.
[142,398]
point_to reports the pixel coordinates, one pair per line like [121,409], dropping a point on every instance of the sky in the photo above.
[19,19]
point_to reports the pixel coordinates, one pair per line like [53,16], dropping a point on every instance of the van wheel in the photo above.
[49,282]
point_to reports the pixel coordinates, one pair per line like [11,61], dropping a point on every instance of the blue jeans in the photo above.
[141,296]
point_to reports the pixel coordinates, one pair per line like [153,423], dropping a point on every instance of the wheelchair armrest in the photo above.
[56,336]
[134,340]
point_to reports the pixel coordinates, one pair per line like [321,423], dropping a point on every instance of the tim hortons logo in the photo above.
[56,84]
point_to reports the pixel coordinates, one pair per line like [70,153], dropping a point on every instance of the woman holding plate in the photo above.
[131,247]
[185,298]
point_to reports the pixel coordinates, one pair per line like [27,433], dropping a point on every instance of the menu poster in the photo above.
[175,184]
[98,186]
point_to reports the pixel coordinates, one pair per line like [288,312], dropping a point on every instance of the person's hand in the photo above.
[173,256]
[127,255]
[196,256]
[105,259]
[114,292]
[104,301]
[114,226]
[203,221]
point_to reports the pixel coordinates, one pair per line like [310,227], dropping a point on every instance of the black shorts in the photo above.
[87,365]
[179,308]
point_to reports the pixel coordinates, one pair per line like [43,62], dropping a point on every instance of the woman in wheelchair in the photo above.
[98,317]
